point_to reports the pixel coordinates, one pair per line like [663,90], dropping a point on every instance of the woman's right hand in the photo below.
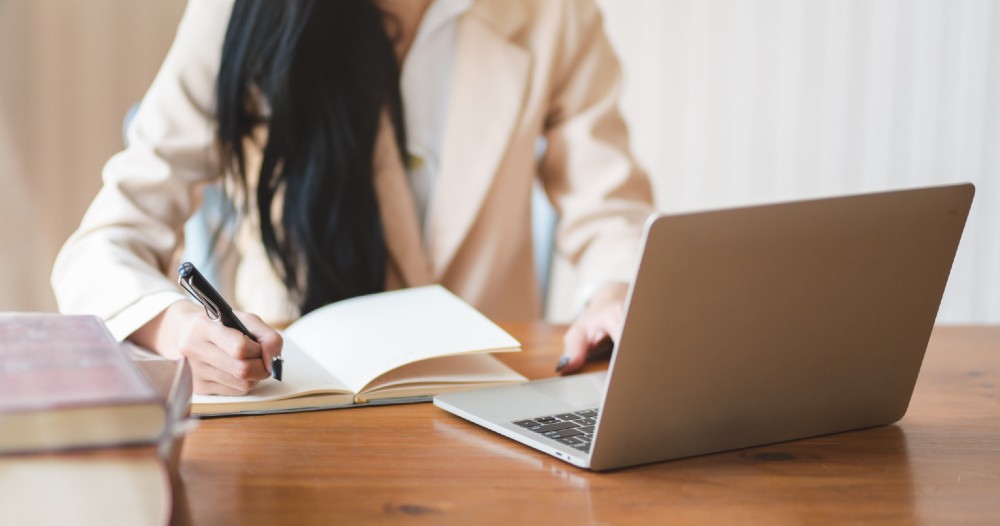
[223,360]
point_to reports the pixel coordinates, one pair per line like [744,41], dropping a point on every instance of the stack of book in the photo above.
[87,434]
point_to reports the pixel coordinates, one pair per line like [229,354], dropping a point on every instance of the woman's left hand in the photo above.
[597,329]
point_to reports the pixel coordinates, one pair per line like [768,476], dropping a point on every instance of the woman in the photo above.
[306,115]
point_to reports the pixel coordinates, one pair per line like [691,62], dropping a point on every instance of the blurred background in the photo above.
[731,102]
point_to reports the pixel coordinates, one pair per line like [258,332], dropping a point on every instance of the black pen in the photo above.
[217,308]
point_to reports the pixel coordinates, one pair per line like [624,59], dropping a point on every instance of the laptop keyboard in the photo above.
[574,429]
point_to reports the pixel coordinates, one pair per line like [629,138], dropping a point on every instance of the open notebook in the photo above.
[387,348]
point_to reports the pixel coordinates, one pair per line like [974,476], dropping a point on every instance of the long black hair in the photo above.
[328,72]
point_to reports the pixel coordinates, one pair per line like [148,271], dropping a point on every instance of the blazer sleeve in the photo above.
[602,196]
[115,264]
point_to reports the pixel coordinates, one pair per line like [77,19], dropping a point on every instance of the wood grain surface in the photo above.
[417,464]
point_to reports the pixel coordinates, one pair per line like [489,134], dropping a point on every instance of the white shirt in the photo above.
[425,85]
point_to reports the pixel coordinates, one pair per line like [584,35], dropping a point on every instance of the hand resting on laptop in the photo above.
[595,332]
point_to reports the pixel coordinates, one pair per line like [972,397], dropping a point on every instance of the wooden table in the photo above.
[417,464]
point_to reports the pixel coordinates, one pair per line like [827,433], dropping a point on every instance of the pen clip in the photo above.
[211,309]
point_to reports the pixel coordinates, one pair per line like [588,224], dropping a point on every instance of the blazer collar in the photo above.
[400,226]
[488,87]
[503,16]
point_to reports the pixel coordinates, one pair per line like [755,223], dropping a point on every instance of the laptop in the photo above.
[751,326]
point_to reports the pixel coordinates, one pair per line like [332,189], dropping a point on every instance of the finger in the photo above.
[608,324]
[208,387]
[212,380]
[233,342]
[575,349]
[227,350]
[270,340]
[591,335]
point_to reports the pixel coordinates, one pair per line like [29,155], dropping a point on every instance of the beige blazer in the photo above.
[523,69]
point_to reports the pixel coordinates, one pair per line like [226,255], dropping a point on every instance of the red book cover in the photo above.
[66,383]
[51,361]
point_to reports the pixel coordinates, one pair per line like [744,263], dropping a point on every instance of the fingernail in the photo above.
[562,363]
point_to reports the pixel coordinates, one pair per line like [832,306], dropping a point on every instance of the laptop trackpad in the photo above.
[528,400]
[577,392]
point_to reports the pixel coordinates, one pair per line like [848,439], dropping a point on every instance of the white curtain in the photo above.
[735,102]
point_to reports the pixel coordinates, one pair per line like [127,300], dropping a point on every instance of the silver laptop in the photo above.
[751,326]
